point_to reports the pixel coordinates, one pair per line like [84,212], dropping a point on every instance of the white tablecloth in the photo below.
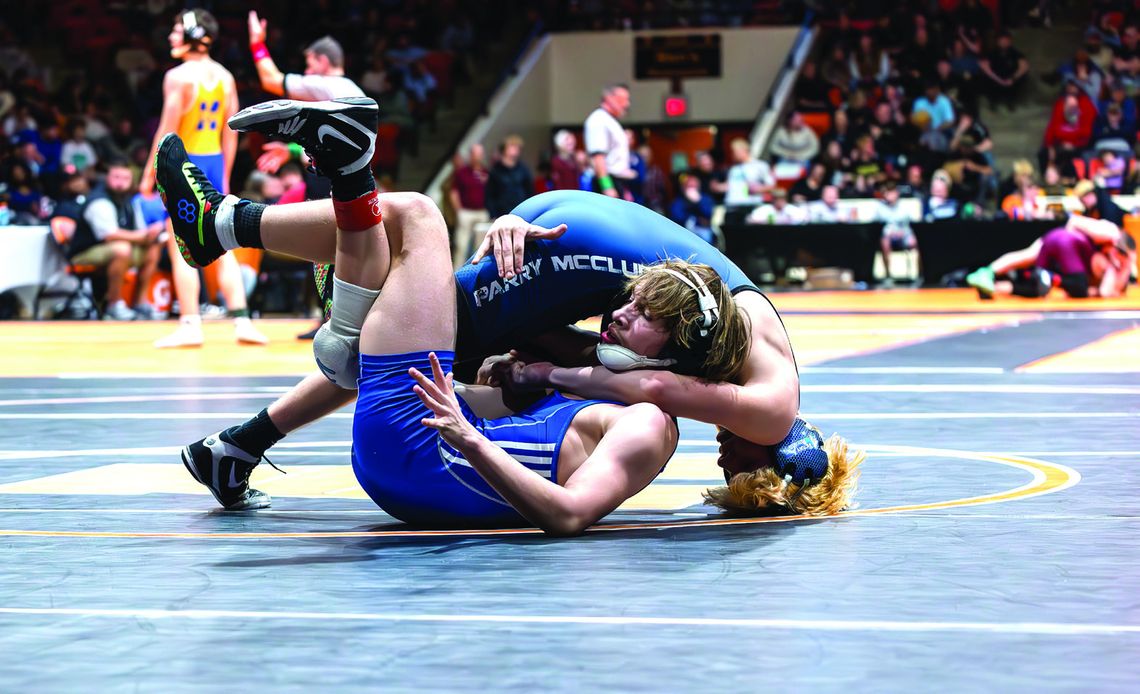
[27,260]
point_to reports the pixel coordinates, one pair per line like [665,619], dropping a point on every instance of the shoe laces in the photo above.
[266,459]
[204,185]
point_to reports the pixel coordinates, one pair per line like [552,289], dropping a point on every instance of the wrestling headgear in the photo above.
[800,457]
[618,358]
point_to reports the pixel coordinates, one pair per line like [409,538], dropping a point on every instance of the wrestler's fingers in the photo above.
[428,402]
[437,373]
[481,251]
[540,233]
[519,245]
[501,258]
[424,382]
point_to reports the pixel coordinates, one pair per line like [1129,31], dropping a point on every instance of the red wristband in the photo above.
[360,214]
[259,51]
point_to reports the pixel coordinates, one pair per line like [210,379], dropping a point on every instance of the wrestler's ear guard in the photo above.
[618,358]
[706,301]
[190,26]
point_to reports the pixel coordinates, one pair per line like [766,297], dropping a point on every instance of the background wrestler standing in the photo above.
[198,96]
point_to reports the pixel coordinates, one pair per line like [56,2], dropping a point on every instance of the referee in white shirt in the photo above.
[608,145]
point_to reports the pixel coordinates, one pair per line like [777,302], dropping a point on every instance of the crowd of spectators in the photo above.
[90,101]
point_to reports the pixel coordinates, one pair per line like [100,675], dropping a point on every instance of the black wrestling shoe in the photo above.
[191,200]
[339,135]
[224,469]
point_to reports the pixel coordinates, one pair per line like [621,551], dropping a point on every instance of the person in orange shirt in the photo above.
[198,96]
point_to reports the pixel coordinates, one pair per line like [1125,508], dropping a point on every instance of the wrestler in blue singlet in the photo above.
[411,473]
[576,276]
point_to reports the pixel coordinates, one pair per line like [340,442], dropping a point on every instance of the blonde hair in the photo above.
[666,297]
[763,490]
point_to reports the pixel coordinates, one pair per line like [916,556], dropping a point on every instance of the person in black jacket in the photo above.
[509,181]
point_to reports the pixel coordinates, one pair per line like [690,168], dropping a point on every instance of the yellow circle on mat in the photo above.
[1047,478]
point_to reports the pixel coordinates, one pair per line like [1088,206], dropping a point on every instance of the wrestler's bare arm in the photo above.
[761,408]
[632,450]
[229,135]
[272,80]
[174,99]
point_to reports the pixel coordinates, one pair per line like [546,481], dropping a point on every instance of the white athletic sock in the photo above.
[350,306]
[191,321]
[224,223]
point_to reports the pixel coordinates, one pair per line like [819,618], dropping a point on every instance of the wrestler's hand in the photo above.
[438,394]
[507,240]
[274,155]
[741,455]
[520,377]
[489,373]
[256,28]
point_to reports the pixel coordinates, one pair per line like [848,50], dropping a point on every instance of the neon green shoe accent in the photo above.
[982,279]
[186,172]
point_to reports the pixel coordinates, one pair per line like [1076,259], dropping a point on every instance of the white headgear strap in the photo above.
[706,301]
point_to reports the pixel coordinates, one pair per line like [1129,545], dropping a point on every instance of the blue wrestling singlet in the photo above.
[411,473]
[578,275]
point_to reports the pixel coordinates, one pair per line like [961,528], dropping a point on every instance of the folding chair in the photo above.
[62,231]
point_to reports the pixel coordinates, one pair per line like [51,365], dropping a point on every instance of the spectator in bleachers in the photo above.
[1110,131]
[1126,60]
[897,233]
[1070,129]
[858,110]
[654,187]
[1112,171]
[509,182]
[50,147]
[23,195]
[938,205]
[1084,71]
[840,131]
[963,62]
[917,60]
[122,141]
[835,69]
[794,141]
[564,171]
[77,154]
[837,162]
[1053,185]
[912,185]
[711,176]
[372,81]
[749,179]
[826,210]
[933,144]
[810,188]
[959,91]
[1117,96]
[811,93]
[1097,202]
[468,199]
[886,129]
[969,125]
[974,171]
[869,64]
[1025,203]
[1004,69]
[1100,51]
[394,104]
[973,23]
[935,104]
[778,211]
[867,167]
[693,209]
[419,82]
[20,125]
[401,55]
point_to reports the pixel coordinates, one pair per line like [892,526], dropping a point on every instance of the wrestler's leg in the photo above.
[1016,260]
